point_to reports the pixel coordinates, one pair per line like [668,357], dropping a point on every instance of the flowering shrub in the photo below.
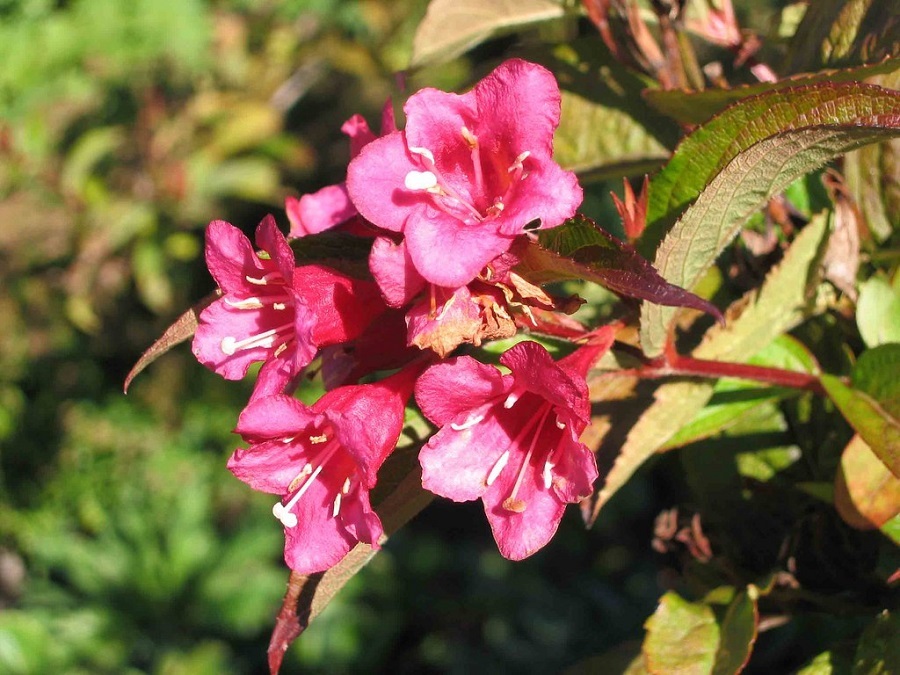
[455,233]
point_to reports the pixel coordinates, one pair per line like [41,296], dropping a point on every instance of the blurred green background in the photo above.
[125,544]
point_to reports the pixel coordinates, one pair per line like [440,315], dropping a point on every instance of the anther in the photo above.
[420,180]
[469,137]
[423,152]
[337,505]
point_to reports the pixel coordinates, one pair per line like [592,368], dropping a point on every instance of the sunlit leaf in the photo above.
[681,637]
[451,27]
[872,404]
[878,311]
[738,634]
[866,493]
[855,115]
[713,146]
[781,303]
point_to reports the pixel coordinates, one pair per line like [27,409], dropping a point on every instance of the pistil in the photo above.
[230,345]
[511,503]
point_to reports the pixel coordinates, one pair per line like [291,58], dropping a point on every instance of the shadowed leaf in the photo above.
[580,249]
[696,107]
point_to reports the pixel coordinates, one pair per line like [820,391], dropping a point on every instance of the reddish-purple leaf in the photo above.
[580,249]
[183,328]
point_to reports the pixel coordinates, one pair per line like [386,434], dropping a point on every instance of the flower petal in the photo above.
[319,211]
[394,272]
[450,390]
[548,194]
[229,256]
[447,252]
[534,369]
[376,182]
[319,541]
[275,417]
[271,240]
[457,463]
[357,129]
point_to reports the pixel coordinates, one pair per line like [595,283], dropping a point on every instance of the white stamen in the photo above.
[266,340]
[318,439]
[548,477]
[346,487]
[469,423]
[246,303]
[469,137]
[560,424]
[512,399]
[287,518]
[337,506]
[278,305]
[420,180]
[279,350]
[424,152]
[445,308]
[498,467]
[517,165]
[263,280]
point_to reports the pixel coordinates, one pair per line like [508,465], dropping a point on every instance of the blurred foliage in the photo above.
[125,545]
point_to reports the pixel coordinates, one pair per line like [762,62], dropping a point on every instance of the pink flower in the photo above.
[512,440]
[468,173]
[273,312]
[323,460]
[331,206]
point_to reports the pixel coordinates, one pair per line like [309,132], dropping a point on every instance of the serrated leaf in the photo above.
[451,27]
[866,493]
[844,32]
[705,153]
[579,249]
[182,329]
[872,404]
[878,311]
[738,191]
[781,304]
[696,107]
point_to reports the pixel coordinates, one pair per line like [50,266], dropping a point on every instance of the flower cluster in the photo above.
[444,206]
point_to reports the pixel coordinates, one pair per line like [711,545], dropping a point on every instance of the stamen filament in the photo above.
[266,279]
[469,423]
[256,302]
[322,458]
[265,339]
[511,503]
[499,465]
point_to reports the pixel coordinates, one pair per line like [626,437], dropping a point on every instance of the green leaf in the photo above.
[872,404]
[755,175]
[696,107]
[732,400]
[844,32]
[781,304]
[878,311]
[866,493]
[738,634]
[878,652]
[832,662]
[451,27]
[682,637]
[705,153]
[686,637]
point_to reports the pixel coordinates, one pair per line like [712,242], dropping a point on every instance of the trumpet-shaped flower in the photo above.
[271,311]
[511,440]
[468,173]
[323,461]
